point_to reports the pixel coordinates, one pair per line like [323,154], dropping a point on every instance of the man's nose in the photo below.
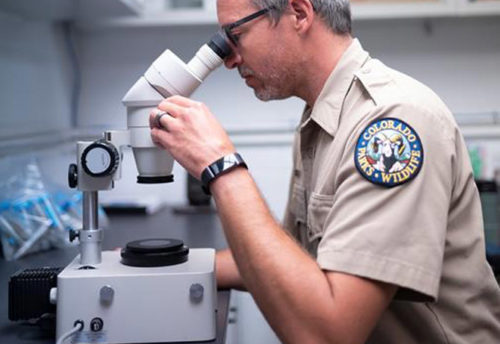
[234,60]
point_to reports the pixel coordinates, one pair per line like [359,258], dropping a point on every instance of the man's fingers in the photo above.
[152,118]
[160,137]
[173,109]
[155,118]
[159,118]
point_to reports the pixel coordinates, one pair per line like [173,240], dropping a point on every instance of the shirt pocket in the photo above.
[317,211]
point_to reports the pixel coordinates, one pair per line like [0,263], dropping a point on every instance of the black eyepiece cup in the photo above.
[218,43]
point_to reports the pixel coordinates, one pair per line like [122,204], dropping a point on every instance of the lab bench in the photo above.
[196,228]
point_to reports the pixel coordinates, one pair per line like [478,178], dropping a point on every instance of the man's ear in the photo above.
[303,13]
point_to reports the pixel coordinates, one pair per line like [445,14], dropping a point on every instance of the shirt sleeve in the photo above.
[394,234]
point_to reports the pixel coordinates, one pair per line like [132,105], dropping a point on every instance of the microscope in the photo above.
[154,290]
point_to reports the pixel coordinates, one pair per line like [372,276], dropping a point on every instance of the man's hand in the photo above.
[191,133]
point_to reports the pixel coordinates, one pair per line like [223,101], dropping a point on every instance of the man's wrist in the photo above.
[220,167]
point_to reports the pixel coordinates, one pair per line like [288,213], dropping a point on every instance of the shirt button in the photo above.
[366,71]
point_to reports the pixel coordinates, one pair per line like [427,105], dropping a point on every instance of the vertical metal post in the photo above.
[90,235]
[90,216]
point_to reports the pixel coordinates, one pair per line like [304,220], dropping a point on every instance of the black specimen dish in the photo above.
[154,252]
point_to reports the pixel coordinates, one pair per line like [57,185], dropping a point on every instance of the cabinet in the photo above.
[202,12]
[246,324]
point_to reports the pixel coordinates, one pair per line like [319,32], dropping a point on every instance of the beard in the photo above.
[270,85]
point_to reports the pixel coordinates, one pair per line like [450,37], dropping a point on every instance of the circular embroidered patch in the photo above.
[389,152]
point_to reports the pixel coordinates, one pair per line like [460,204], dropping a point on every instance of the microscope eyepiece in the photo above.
[218,43]
[167,76]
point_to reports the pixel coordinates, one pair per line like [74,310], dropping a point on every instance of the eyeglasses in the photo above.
[229,27]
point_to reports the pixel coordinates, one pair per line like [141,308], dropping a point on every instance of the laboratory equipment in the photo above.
[33,217]
[154,290]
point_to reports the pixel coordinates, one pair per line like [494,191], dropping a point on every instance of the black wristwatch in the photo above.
[219,167]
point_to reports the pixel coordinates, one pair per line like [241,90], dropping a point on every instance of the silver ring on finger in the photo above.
[158,117]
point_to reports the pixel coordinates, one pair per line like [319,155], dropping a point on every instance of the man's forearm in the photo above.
[278,273]
[228,276]
[302,303]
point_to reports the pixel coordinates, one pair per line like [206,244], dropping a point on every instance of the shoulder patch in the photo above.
[389,152]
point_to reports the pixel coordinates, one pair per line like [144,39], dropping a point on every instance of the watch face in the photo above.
[222,165]
[229,161]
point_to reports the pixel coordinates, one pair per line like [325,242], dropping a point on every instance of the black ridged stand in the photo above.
[29,292]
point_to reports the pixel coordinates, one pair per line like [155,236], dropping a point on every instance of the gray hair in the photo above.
[335,13]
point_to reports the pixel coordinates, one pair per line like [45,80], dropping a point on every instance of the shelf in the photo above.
[39,10]
[167,18]
[483,126]
[158,13]
[481,132]
[90,10]
[55,10]
[92,14]
[136,6]
[402,9]
[36,141]
[479,8]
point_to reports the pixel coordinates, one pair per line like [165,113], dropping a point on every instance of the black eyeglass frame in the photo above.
[229,27]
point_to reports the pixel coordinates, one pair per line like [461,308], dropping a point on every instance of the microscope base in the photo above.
[124,304]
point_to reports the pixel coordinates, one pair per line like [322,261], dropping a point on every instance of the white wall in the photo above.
[113,60]
[458,58]
[34,78]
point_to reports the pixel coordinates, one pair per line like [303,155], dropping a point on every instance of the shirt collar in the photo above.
[327,108]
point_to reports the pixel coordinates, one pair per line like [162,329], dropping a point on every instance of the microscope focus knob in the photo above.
[106,294]
[73,234]
[100,159]
[73,176]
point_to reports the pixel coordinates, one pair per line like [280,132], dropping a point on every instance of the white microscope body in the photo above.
[155,290]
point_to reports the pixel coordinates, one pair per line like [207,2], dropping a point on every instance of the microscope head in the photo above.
[167,76]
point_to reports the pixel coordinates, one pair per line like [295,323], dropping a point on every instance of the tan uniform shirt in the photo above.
[424,235]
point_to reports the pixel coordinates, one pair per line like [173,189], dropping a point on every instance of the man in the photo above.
[372,254]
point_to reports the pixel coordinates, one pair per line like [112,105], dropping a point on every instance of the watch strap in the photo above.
[220,167]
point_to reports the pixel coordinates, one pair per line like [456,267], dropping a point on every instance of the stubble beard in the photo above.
[271,85]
